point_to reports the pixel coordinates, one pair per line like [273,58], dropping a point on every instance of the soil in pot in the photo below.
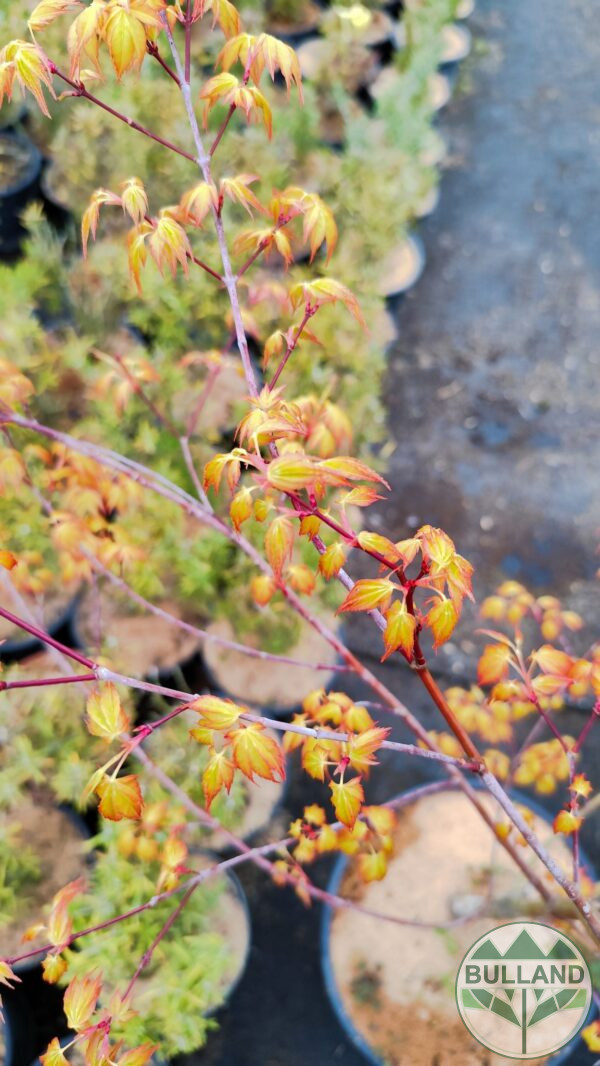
[135,643]
[57,843]
[274,686]
[396,983]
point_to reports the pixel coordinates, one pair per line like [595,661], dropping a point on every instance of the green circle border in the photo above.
[554,1051]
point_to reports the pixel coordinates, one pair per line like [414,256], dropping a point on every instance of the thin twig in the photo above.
[308,314]
[81,91]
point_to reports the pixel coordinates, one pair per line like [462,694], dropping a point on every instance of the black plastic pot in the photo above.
[17,648]
[18,1029]
[57,211]
[566,1055]
[295,35]
[20,169]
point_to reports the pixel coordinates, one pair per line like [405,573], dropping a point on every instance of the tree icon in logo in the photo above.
[524,990]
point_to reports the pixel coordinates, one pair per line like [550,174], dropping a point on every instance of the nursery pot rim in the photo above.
[241,896]
[410,795]
[417,247]
[463,45]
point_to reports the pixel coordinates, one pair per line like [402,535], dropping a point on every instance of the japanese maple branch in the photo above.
[203,634]
[80,90]
[152,50]
[44,682]
[45,638]
[221,130]
[309,311]
[149,904]
[164,487]
[203,161]
[147,956]
[206,819]
[104,673]
[231,286]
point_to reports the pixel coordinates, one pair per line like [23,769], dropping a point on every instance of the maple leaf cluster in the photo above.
[233,744]
[327,759]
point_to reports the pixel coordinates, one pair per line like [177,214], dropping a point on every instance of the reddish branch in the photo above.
[309,311]
[79,89]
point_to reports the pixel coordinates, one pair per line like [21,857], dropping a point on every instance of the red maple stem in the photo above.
[153,51]
[442,704]
[221,130]
[147,956]
[42,682]
[309,311]
[283,221]
[81,91]
[45,638]
[581,739]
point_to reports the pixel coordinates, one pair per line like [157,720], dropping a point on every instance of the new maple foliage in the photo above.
[291,473]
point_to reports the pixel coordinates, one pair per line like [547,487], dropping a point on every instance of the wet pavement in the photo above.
[493,404]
